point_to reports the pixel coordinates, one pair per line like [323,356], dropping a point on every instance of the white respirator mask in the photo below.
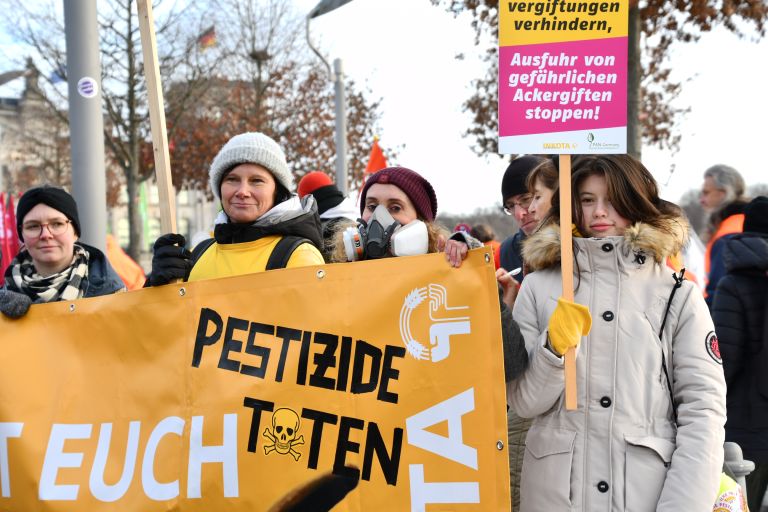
[383,236]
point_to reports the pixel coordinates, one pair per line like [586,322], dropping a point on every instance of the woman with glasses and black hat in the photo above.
[52,264]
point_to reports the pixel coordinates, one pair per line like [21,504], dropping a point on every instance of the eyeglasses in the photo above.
[35,229]
[524,202]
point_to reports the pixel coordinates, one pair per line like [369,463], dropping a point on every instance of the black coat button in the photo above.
[608,316]
[607,247]
[605,401]
[602,486]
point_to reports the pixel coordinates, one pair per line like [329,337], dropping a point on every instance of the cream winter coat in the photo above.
[620,450]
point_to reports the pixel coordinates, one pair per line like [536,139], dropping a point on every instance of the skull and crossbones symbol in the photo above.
[285,426]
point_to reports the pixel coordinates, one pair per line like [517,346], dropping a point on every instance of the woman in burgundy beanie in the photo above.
[418,190]
[409,198]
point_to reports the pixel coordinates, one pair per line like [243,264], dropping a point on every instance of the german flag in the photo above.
[207,38]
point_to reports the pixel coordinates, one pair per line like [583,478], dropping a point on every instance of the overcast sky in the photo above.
[405,52]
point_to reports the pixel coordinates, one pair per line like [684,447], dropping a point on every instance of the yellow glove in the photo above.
[568,323]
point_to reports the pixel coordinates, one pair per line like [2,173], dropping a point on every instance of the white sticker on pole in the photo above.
[87,87]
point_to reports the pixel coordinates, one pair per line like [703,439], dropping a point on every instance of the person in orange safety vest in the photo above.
[722,196]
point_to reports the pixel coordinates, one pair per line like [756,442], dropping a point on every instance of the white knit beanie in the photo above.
[250,148]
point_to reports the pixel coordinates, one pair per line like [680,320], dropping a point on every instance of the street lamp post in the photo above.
[341,127]
[86,124]
[337,76]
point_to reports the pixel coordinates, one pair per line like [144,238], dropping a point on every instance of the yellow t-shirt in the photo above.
[227,260]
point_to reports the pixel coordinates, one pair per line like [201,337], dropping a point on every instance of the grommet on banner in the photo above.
[320,274]
[71,308]
[499,445]
[182,291]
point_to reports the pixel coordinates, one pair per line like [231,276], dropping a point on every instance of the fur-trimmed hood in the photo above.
[542,249]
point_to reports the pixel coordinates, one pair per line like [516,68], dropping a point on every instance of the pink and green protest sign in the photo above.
[563,77]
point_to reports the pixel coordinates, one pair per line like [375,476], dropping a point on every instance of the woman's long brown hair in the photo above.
[632,190]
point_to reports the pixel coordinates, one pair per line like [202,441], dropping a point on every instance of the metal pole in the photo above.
[341,128]
[86,126]
[635,74]
[734,460]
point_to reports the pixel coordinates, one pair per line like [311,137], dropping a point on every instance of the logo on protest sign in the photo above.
[595,145]
[285,426]
[444,321]
[730,501]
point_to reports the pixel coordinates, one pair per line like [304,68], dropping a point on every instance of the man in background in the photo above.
[516,199]
[722,196]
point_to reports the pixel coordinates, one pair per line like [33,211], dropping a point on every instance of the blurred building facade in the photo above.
[34,150]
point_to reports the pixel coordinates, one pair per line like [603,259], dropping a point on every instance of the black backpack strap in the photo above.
[200,248]
[678,283]
[283,251]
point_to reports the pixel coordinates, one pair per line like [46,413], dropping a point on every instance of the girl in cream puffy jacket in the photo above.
[621,449]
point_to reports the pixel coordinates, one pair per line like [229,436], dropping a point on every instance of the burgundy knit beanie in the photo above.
[418,190]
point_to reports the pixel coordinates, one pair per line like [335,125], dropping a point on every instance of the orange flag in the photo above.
[376,160]
[128,270]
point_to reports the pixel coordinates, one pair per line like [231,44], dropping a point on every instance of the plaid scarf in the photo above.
[69,284]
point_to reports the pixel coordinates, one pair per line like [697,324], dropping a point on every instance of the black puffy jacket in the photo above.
[740,313]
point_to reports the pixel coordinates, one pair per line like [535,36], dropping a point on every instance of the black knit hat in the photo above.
[56,198]
[756,215]
[327,197]
[513,182]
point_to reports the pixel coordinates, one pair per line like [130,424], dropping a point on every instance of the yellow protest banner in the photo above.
[231,394]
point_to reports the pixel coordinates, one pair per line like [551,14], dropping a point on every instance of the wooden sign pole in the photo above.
[566,268]
[157,118]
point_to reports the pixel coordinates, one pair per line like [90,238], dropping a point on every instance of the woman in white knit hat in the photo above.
[263,225]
